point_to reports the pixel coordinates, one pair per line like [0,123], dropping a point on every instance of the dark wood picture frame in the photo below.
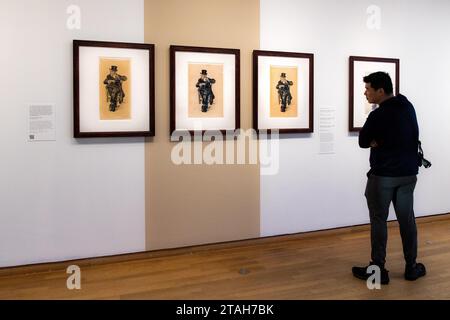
[352,61]
[310,57]
[173,51]
[76,88]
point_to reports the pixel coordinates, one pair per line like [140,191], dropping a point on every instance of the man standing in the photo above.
[392,133]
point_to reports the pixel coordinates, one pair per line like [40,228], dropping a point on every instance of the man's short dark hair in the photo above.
[380,80]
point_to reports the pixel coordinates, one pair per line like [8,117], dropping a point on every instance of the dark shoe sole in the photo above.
[415,278]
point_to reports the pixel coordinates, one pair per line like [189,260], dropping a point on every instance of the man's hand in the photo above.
[373,144]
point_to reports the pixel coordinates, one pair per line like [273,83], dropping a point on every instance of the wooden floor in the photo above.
[314,266]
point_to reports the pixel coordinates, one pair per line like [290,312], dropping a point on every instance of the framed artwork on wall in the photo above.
[114,89]
[359,107]
[204,89]
[283,91]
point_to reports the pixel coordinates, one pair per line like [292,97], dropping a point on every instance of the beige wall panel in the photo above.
[197,204]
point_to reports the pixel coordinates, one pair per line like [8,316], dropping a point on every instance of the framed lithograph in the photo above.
[114,89]
[204,89]
[359,107]
[283,91]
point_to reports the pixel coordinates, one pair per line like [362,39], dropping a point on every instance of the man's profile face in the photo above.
[283,79]
[372,95]
[112,72]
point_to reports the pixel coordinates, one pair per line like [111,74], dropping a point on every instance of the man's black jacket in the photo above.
[394,128]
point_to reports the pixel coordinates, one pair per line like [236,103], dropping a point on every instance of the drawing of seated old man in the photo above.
[114,91]
[205,93]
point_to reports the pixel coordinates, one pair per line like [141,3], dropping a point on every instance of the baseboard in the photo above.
[62,265]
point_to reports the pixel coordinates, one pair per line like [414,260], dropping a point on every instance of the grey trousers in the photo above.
[380,192]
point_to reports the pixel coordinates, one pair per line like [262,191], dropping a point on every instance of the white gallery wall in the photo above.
[315,191]
[67,198]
